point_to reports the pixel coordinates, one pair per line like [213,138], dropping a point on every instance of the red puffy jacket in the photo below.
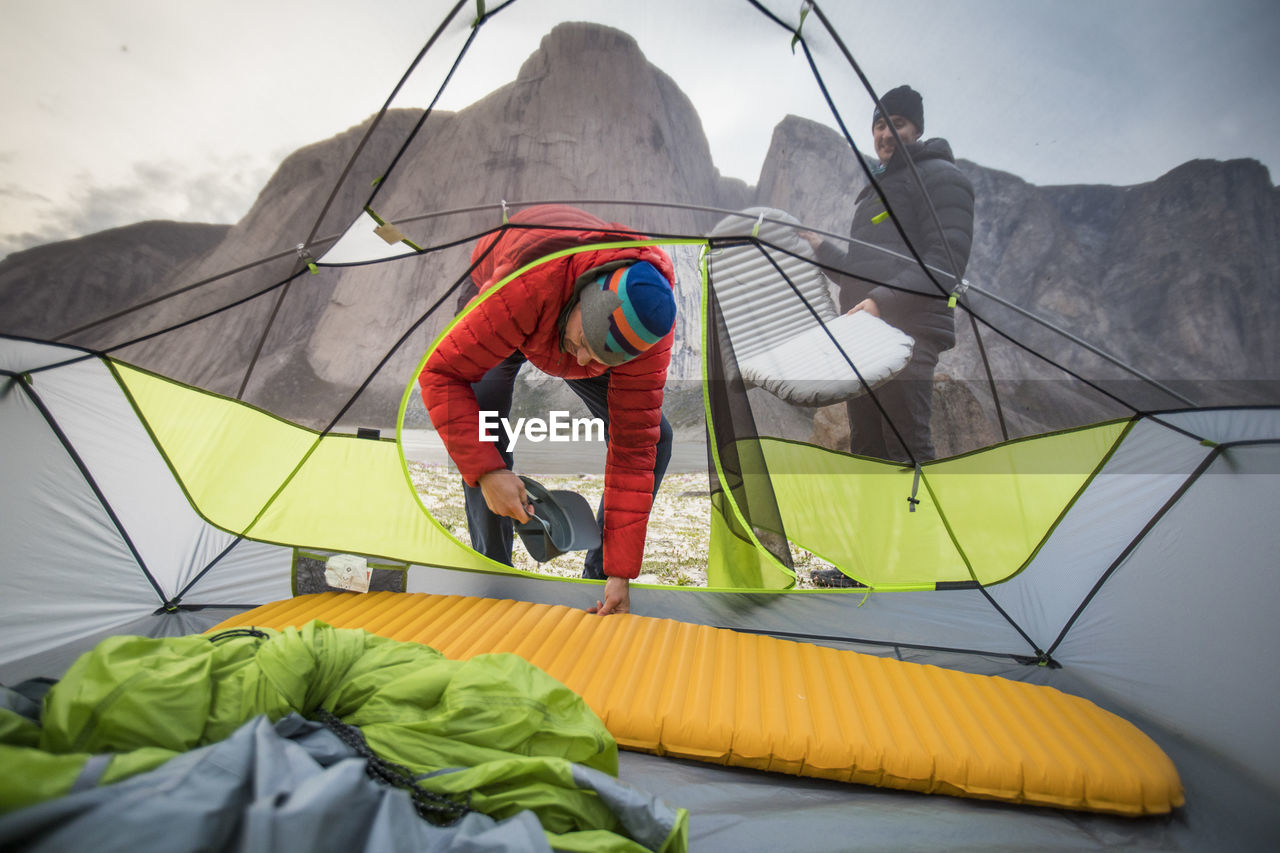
[523,315]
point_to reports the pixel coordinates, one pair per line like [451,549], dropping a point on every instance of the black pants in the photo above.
[492,535]
[908,401]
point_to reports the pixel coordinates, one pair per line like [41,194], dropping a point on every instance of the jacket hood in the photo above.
[502,252]
[930,149]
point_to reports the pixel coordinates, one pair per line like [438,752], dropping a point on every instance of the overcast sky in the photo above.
[116,111]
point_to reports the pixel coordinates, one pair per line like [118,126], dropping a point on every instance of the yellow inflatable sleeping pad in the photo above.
[715,695]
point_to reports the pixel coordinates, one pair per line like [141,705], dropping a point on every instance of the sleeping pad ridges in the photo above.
[524,741]
[719,696]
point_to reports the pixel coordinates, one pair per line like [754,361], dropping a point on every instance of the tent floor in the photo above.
[733,809]
[745,700]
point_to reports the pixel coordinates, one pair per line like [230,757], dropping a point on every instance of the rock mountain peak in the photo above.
[1176,276]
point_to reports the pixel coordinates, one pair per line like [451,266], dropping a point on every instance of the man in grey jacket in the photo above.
[891,284]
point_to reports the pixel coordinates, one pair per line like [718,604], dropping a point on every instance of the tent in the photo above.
[169,459]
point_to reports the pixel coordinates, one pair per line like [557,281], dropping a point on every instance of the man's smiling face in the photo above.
[885,143]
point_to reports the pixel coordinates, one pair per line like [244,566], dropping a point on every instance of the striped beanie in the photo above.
[626,310]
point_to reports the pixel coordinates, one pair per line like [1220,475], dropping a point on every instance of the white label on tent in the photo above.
[347,571]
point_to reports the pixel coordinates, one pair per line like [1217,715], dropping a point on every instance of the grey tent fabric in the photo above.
[1158,629]
[732,809]
[53,662]
[645,817]
[292,786]
[24,699]
[71,576]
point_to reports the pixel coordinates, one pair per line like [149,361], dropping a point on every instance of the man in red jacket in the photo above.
[601,318]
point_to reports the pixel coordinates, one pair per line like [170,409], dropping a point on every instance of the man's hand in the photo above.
[814,240]
[868,305]
[505,494]
[617,598]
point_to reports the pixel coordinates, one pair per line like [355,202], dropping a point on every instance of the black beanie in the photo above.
[903,101]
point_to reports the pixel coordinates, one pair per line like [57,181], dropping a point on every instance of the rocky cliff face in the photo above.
[216,352]
[810,172]
[586,118]
[1171,278]
[561,130]
[1170,275]
[1174,277]
[50,290]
